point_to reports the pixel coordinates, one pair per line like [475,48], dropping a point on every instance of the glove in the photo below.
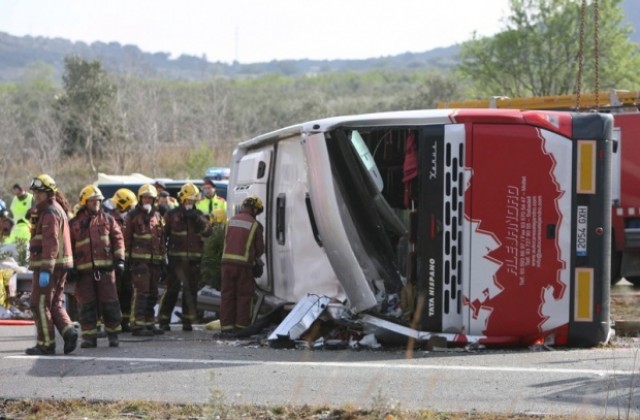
[192,214]
[43,279]
[73,275]
[119,267]
[258,268]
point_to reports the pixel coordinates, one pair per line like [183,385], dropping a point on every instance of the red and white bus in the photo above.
[489,226]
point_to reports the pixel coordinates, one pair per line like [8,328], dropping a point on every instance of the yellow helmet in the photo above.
[44,183]
[255,203]
[188,192]
[218,216]
[124,199]
[147,190]
[90,191]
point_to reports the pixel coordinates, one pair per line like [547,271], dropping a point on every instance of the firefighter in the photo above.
[144,241]
[50,259]
[210,200]
[98,250]
[185,228]
[243,246]
[124,201]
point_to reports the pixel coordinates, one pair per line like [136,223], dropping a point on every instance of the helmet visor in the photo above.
[36,184]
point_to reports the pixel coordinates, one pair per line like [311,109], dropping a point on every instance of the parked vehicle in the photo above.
[218,172]
[625,174]
[109,184]
[491,226]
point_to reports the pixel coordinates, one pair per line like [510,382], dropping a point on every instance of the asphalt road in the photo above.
[194,368]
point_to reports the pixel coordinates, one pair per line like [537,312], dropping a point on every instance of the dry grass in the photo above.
[74,172]
[625,303]
[75,409]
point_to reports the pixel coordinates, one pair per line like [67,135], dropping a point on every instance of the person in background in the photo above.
[145,245]
[123,201]
[12,233]
[98,250]
[210,200]
[212,250]
[165,201]
[243,247]
[21,203]
[50,259]
[185,228]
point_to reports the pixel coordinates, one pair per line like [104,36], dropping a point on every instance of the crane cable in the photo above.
[596,50]
[583,8]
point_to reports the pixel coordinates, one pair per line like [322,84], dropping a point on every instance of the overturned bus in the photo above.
[477,225]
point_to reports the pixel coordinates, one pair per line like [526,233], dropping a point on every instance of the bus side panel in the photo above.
[518,220]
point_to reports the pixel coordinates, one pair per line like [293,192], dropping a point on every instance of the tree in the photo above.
[87,108]
[538,53]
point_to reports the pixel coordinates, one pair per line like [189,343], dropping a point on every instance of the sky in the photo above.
[251,31]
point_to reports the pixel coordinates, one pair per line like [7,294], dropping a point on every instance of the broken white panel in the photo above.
[300,318]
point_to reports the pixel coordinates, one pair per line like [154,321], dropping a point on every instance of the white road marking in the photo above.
[416,365]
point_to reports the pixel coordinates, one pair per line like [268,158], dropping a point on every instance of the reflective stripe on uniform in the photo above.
[252,230]
[44,325]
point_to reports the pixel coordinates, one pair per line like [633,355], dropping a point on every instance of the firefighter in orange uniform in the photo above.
[144,241]
[98,250]
[50,259]
[185,228]
[243,246]
[124,200]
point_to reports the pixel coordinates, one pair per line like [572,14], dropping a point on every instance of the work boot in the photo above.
[142,332]
[101,332]
[113,340]
[165,327]
[39,350]
[89,343]
[155,330]
[126,327]
[186,325]
[70,338]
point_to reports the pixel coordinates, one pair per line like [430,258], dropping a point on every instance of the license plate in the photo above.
[581,232]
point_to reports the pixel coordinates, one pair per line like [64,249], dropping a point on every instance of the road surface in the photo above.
[193,367]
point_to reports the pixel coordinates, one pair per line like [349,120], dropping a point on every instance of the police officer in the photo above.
[98,250]
[210,200]
[243,246]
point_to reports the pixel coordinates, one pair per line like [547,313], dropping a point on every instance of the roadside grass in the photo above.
[625,303]
[380,410]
